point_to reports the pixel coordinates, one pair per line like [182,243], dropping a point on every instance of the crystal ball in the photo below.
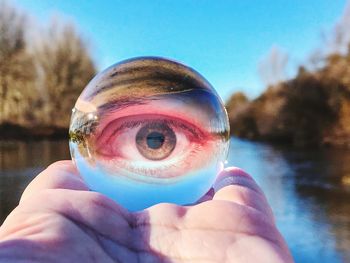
[149,130]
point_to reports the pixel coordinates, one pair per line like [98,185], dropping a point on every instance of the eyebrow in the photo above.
[122,103]
[155,78]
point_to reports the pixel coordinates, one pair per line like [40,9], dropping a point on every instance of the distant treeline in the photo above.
[43,69]
[311,109]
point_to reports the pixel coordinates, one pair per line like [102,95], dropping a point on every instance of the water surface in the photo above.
[309,190]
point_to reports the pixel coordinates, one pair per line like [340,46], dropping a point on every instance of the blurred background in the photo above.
[282,68]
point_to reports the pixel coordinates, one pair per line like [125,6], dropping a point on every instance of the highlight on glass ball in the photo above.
[149,130]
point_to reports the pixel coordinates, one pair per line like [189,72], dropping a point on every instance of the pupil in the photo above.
[155,140]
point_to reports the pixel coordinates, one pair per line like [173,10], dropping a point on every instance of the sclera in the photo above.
[119,102]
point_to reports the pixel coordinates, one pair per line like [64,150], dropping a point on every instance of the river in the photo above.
[309,190]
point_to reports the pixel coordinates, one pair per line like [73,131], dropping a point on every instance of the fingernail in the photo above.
[234,171]
[235,176]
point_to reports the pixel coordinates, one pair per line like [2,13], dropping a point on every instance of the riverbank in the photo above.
[312,109]
[10,131]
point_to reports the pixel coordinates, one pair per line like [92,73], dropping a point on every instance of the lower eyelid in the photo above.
[152,172]
[155,172]
[185,162]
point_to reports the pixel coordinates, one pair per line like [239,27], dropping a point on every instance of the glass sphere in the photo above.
[149,130]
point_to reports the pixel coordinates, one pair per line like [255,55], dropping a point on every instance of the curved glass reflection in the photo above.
[149,130]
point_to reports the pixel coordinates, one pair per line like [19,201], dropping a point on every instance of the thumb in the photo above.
[237,186]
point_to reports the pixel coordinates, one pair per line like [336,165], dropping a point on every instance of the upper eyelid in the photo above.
[173,121]
[127,125]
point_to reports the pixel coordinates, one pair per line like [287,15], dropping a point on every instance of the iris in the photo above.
[155,140]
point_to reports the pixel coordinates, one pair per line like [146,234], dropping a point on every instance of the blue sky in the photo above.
[223,40]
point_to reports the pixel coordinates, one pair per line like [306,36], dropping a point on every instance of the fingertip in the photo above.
[64,165]
[237,186]
[224,178]
[234,171]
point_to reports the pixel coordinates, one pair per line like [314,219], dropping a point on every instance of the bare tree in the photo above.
[17,74]
[65,67]
[339,39]
[272,68]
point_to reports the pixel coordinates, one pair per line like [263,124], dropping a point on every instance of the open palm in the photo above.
[59,220]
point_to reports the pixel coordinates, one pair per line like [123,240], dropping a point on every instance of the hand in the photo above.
[59,220]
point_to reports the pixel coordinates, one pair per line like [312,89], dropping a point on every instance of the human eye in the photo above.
[152,147]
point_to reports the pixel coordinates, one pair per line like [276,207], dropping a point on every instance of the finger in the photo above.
[90,210]
[59,175]
[235,185]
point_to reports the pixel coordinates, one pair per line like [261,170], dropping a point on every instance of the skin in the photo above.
[59,220]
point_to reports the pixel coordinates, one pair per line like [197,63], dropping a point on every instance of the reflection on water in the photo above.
[308,190]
